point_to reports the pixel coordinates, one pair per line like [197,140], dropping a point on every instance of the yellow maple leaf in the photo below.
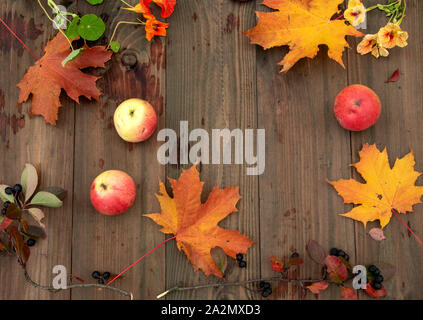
[303,25]
[195,224]
[385,189]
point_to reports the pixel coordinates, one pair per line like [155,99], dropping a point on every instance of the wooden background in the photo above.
[206,72]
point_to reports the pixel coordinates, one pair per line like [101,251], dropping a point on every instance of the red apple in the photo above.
[357,107]
[112,192]
[135,120]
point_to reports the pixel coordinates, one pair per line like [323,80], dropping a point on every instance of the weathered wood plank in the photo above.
[399,130]
[112,243]
[25,140]
[304,147]
[211,84]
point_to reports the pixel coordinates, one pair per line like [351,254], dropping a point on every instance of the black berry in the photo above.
[106,275]
[262,284]
[295,255]
[347,257]
[101,281]
[8,190]
[96,275]
[242,264]
[30,242]
[17,188]
[333,252]
[341,253]
[266,285]
[6,204]
[239,257]
[379,278]
[374,270]
[267,292]
[3,211]
[376,285]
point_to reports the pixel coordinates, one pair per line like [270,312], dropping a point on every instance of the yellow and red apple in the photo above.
[135,120]
[112,192]
[357,107]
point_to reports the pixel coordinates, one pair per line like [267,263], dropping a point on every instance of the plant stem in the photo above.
[117,25]
[60,29]
[301,283]
[127,4]
[74,286]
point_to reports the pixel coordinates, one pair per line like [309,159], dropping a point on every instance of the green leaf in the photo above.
[5,197]
[57,191]
[72,29]
[29,180]
[91,27]
[13,212]
[94,2]
[46,199]
[72,56]
[115,46]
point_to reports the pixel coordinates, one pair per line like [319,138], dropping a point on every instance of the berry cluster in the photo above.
[266,289]
[339,253]
[240,259]
[5,206]
[16,190]
[377,277]
[101,277]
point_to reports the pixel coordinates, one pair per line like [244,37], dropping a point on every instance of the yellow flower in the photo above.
[355,13]
[391,35]
[371,44]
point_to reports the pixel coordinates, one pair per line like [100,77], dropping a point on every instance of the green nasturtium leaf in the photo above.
[46,199]
[94,2]
[5,197]
[72,29]
[91,27]
[29,180]
[115,46]
[72,56]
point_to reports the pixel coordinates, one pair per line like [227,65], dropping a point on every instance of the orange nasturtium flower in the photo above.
[391,35]
[154,27]
[355,13]
[370,44]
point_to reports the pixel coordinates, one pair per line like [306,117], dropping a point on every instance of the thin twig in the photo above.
[74,286]
[239,283]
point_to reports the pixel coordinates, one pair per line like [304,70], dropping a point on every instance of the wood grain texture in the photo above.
[211,83]
[108,243]
[305,146]
[207,73]
[399,130]
[31,140]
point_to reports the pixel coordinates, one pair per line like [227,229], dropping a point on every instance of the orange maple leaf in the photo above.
[303,25]
[47,77]
[195,224]
[385,189]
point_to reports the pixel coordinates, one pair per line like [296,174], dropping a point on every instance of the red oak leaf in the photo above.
[348,294]
[336,269]
[318,286]
[375,293]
